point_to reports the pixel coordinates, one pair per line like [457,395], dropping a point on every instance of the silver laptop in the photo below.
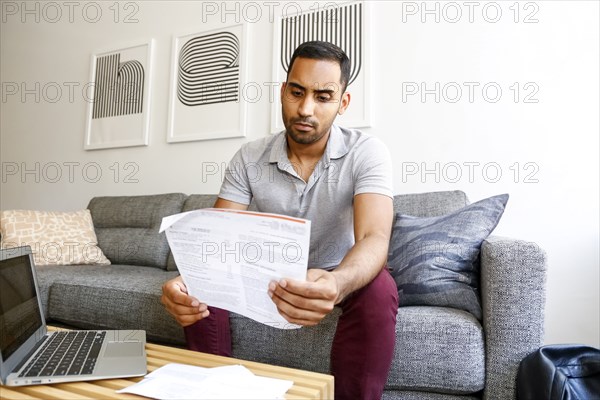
[29,355]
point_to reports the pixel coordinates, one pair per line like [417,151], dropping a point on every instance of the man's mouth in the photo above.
[302,126]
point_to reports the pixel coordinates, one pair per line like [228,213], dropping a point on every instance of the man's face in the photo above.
[311,99]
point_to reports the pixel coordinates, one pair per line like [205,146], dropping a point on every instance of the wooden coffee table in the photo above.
[307,385]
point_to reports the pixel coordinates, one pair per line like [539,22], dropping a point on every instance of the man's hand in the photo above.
[185,308]
[306,303]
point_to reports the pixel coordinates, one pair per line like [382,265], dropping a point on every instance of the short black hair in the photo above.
[319,50]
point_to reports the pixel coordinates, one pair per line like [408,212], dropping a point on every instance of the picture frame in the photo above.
[118,113]
[344,24]
[208,70]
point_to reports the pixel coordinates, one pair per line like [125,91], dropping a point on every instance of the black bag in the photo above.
[560,372]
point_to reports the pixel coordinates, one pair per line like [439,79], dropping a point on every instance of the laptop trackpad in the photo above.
[123,349]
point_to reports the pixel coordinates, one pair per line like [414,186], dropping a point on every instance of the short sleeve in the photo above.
[236,185]
[373,168]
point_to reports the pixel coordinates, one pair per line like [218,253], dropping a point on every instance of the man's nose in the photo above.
[306,107]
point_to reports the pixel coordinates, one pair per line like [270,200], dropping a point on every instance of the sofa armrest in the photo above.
[513,288]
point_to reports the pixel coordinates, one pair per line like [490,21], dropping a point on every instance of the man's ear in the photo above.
[344,103]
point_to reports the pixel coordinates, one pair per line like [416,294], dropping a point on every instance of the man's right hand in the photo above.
[185,308]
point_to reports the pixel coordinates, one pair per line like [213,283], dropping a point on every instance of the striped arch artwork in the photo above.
[119,87]
[342,26]
[209,69]
[119,114]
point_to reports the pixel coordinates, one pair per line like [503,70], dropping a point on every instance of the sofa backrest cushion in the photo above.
[431,204]
[192,202]
[196,202]
[419,204]
[127,227]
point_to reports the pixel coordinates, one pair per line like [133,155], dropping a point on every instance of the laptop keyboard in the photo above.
[66,353]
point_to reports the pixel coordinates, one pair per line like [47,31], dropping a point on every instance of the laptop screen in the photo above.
[20,316]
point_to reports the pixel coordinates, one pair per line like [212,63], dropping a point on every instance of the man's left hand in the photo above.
[306,303]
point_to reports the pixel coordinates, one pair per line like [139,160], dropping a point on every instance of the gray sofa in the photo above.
[440,353]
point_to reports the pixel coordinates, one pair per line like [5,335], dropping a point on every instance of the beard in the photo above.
[305,137]
[302,137]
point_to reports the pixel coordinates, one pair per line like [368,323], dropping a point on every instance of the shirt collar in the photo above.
[279,149]
[336,147]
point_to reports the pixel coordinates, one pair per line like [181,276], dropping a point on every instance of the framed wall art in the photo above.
[119,97]
[207,73]
[343,24]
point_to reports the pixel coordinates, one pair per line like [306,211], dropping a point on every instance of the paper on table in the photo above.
[179,381]
[227,258]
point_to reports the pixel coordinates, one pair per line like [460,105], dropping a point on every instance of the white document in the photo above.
[179,381]
[227,258]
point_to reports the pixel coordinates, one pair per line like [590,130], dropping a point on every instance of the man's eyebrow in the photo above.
[298,86]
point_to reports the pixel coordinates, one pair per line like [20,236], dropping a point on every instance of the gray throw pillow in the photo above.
[435,260]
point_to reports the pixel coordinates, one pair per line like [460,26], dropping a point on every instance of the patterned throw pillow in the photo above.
[435,260]
[56,238]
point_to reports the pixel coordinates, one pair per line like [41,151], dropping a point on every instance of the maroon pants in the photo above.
[363,346]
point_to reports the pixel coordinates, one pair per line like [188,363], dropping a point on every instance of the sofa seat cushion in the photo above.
[307,348]
[438,350]
[109,297]
[405,395]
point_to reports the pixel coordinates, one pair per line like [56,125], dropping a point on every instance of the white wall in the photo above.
[551,143]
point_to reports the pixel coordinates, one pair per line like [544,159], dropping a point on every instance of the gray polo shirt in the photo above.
[353,163]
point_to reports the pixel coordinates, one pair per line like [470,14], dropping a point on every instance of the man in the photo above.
[339,179]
